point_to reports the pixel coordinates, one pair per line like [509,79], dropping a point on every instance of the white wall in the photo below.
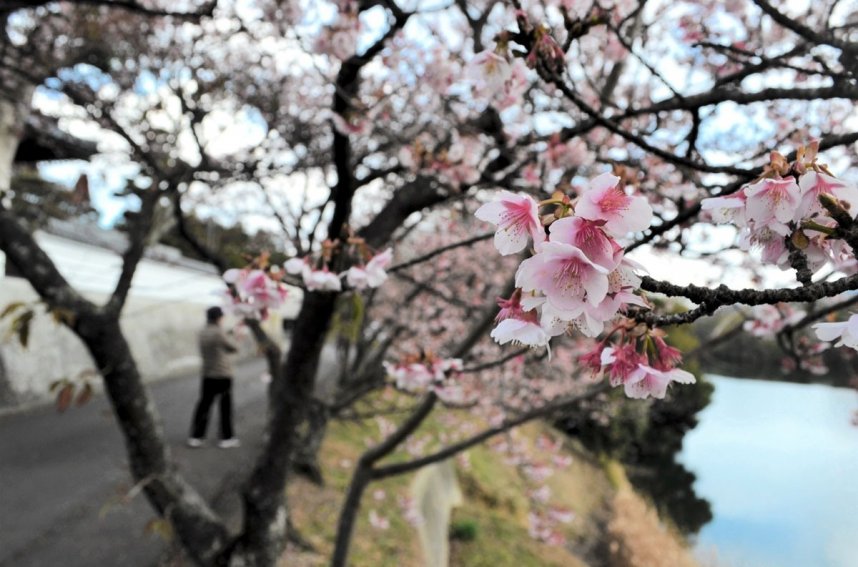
[94,270]
[165,309]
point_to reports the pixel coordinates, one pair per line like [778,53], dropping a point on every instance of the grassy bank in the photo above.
[612,526]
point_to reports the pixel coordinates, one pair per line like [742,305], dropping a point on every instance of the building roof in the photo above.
[43,140]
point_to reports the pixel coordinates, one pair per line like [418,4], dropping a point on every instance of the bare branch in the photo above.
[206,9]
[446,453]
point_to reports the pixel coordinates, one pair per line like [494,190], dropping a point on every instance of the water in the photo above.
[779,463]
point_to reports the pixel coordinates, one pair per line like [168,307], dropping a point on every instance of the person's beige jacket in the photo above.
[215,348]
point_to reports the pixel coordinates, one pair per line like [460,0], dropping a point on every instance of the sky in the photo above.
[228,130]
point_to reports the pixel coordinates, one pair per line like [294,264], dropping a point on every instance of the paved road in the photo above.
[61,475]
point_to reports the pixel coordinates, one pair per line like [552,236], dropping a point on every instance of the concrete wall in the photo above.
[436,492]
[165,309]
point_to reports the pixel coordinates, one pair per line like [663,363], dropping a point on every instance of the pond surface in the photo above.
[779,464]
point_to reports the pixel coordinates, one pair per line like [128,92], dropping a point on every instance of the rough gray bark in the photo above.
[199,530]
[265,506]
[12,121]
[306,461]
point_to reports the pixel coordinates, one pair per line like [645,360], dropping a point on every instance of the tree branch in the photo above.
[446,453]
[206,10]
[438,251]
[723,295]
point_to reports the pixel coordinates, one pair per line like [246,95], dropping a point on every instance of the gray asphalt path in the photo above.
[63,476]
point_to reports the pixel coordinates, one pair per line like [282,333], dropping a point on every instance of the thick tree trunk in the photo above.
[265,505]
[12,118]
[196,526]
[306,460]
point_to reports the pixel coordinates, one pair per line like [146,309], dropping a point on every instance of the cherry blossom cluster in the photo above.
[801,352]
[578,276]
[254,292]
[640,361]
[499,79]
[770,319]
[783,209]
[339,38]
[428,373]
[807,356]
[367,270]
[456,161]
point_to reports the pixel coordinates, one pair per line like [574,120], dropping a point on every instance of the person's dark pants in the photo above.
[211,389]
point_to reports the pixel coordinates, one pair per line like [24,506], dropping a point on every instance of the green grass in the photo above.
[490,529]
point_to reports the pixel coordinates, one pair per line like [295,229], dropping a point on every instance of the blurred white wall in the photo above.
[165,309]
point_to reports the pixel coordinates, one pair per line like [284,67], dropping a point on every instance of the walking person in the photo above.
[215,348]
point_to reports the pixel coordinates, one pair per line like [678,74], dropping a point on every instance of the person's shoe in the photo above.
[195,443]
[230,443]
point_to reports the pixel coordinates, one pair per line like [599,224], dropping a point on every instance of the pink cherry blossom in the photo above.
[518,331]
[625,277]
[604,200]
[772,199]
[515,87]
[511,308]
[768,319]
[770,239]
[453,394]
[565,275]
[813,184]
[412,377]
[373,274]
[296,266]
[443,367]
[623,360]
[592,359]
[646,381]
[315,280]
[846,332]
[492,70]
[410,510]
[255,293]
[540,530]
[538,473]
[530,176]
[518,325]
[424,375]
[517,217]
[322,280]
[588,236]
[729,209]
[591,321]
[587,318]
[561,461]
[666,357]
[566,155]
